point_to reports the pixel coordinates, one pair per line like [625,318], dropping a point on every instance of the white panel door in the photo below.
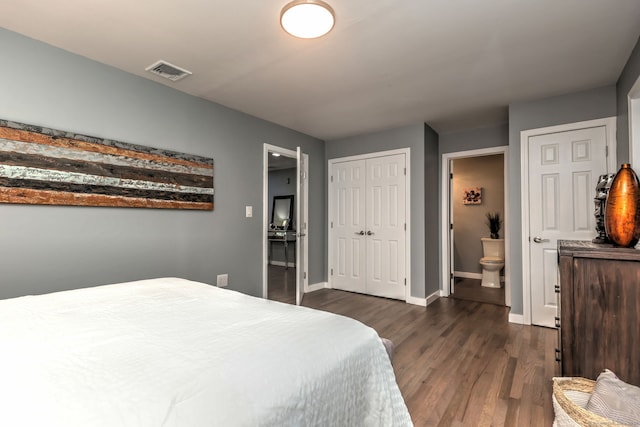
[368,226]
[348,222]
[301,224]
[563,172]
[385,234]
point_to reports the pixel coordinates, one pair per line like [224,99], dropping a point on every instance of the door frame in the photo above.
[446,245]
[610,131]
[331,162]
[269,148]
[633,102]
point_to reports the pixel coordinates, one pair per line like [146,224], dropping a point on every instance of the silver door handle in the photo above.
[540,239]
[301,234]
[370,233]
[360,233]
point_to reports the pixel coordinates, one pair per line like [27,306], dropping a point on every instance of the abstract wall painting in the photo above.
[50,167]
[472,196]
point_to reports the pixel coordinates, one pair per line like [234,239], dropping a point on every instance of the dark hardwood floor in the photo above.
[472,290]
[457,362]
[281,284]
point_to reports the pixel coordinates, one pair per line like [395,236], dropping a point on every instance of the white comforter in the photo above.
[170,352]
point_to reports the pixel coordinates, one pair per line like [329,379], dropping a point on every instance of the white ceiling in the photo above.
[453,64]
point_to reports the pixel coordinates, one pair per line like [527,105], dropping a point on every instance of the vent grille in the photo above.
[168,70]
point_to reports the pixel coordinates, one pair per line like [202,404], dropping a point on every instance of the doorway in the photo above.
[284,224]
[474,184]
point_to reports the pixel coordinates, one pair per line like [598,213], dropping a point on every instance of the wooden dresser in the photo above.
[598,310]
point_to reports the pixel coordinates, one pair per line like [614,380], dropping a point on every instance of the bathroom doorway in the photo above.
[476,191]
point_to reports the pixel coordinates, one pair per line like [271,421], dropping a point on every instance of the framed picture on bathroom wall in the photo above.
[472,196]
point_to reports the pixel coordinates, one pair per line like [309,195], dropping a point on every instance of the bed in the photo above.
[172,352]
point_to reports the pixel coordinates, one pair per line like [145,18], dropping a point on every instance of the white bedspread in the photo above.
[170,352]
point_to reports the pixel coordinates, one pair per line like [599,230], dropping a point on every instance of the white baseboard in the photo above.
[316,287]
[282,264]
[434,296]
[516,318]
[422,302]
[466,275]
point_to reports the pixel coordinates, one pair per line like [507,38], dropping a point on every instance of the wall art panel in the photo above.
[51,167]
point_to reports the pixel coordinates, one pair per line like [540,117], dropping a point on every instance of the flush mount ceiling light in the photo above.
[307,19]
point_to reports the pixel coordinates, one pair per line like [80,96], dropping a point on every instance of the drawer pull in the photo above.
[558,355]
[557,321]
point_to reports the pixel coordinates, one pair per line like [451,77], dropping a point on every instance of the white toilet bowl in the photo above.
[492,262]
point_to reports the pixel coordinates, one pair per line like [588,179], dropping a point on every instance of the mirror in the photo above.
[282,212]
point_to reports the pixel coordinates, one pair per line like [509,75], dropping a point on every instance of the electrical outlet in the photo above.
[222,280]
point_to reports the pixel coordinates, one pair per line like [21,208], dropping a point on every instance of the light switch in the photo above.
[248,211]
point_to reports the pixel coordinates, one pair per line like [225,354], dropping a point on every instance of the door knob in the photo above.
[540,239]
[370,233]
[361,232]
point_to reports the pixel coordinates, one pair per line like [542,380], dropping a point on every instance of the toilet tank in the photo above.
[493,247]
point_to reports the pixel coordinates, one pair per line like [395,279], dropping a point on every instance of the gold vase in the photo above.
[622,210]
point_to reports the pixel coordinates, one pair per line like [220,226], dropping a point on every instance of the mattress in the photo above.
[172,352]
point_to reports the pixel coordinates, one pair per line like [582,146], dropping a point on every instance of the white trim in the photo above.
[422,302]
[516,318]
[331,162]
[267,148]
[610,130]
[633,100]
[283,264]
[316,287]
[431,298]
[466,275]
[445,205]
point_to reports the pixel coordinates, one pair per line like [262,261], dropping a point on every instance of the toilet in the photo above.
[492,261]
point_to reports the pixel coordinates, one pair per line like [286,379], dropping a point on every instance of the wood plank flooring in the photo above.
[459,363]
[281,284]
[472,290]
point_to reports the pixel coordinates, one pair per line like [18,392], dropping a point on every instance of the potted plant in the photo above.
[494,223]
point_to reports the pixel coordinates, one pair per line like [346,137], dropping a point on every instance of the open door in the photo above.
[301,224]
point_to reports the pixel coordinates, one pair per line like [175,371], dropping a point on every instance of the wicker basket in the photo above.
[570,397]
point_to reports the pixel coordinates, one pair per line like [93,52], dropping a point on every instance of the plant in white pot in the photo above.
[494,222]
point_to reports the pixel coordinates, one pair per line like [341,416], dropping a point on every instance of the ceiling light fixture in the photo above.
[307,19]
[275,154]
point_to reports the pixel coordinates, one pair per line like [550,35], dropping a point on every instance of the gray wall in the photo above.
[50,248]
[413,137]
[587,105]
[627,79]
[474,139]
[433,257]
[470,221]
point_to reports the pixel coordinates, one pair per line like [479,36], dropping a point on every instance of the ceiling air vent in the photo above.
[168,70]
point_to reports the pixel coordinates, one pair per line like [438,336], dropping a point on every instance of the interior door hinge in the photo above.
[405,171]
[450,226]
[331,224]
[331,178]
[405,226]
[451,276]
[606,151]
[305,275]
[332,271]
[451,175]
[405,281]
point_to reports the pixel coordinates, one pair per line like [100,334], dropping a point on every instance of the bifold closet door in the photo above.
[348,193]
[368,226]
[385,223]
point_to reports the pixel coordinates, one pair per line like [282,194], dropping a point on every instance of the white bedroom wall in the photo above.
[51,248]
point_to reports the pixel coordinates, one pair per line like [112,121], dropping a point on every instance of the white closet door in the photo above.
[368,226]
[385,223]
[348,217]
